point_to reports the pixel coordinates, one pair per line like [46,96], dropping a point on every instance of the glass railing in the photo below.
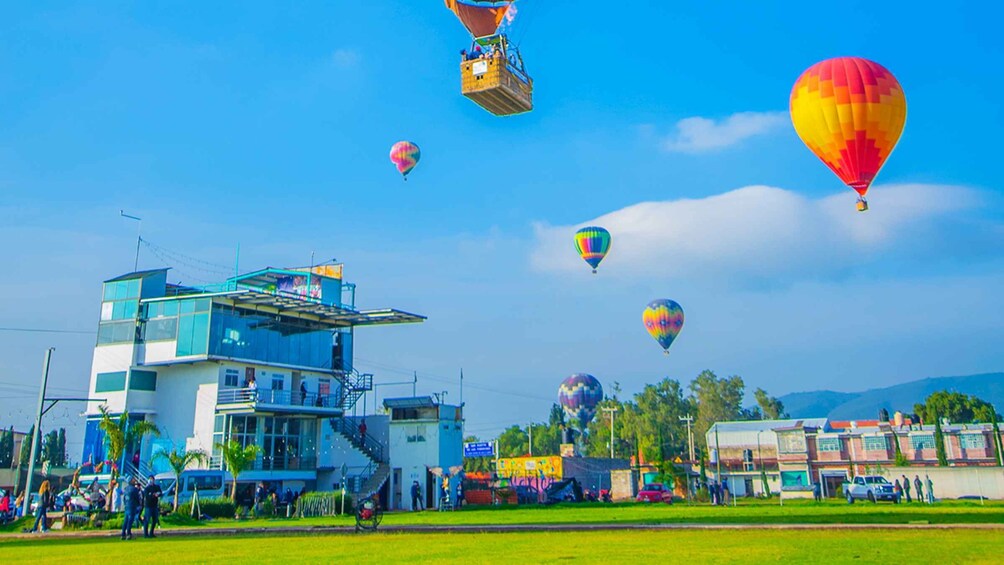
[279,463]
[260,397]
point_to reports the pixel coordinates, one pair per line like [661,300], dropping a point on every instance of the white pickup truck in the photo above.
[870,487]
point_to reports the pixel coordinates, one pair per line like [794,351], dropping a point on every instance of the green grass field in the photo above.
[746,546]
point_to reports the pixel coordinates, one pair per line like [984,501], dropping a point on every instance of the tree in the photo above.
[121,434]
[61,447]
[998,443]
[6,448]
[237,458]
[179,460]
[513,442]
[26,450]
[770,407]
[717,400]
[958,408]
[50,448]
[939,442]
[901,460]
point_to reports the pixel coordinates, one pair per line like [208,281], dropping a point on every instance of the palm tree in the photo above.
[238,458]
[179,460]
[119,434]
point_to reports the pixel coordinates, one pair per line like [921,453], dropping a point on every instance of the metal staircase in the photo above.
[354,385]
[365,443]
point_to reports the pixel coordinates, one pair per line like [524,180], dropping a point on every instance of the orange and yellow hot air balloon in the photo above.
[850,112]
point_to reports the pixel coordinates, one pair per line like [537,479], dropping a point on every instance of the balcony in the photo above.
[277,401]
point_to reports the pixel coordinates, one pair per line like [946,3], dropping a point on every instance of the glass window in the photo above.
[828,444]
[193,332]
[107,310]
[973,441]
[922,441]
[277,383]
[161,329]
[876,443]
[116,332]
[131,288]
[791,442]
[110,382]
[238,334]
[143,380]
[231,377]
[205,482]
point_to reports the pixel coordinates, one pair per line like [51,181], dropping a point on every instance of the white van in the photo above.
[209,483]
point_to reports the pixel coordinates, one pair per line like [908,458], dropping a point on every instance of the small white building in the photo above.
[423,435]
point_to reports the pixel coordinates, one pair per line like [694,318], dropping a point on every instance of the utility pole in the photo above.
[529,428]
[718,456]
[414,384]
[26,509]
[690,436]
[612,410]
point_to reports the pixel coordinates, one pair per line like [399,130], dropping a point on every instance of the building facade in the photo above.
[796,454]
[265,358]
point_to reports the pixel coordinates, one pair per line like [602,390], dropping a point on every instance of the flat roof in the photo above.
[317,311]
[410,402]
[136,275]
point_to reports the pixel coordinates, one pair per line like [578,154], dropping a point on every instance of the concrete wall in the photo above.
[593,473]
[624,484]
[954,482]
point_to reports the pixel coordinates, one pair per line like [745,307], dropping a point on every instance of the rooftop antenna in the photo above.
[139,237]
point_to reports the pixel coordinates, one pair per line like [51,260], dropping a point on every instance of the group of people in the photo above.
[902,490]
[718,493]
[477,53]
[263,492]
[10,508]
[445,498]
[141,505]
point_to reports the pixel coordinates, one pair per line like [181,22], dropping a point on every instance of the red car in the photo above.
[655,492]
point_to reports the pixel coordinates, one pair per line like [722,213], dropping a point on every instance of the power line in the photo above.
[46,330]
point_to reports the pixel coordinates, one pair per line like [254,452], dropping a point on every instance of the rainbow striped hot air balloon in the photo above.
[405,156]
[579,395]
[850,112]
[592,243]
[663,319]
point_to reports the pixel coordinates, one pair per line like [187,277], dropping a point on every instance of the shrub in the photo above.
[315,504]
[221,507]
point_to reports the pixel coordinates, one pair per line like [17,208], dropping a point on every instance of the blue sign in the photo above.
[479,449]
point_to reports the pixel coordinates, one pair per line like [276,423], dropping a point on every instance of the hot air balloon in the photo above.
[405,155]
[579,395]
[850,112]
[663,319]
[592,243]
[492,73]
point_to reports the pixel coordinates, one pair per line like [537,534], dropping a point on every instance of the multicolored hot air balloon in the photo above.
[592,243]
[850,112]
[579,395]
[663,319]
[405,155]
[481,17]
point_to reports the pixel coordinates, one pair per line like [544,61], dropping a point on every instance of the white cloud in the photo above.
[346,58]
[699,135]
[766,232]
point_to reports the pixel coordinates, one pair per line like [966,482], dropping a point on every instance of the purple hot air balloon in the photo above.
[579,395]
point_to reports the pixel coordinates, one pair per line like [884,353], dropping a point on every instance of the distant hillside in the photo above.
[866,405]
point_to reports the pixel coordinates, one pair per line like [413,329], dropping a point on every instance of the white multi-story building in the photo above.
[265,358]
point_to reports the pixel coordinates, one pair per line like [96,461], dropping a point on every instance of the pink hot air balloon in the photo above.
[405,156]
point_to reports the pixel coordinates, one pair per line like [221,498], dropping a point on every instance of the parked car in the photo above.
[655,492]
[870,487]
[209,483]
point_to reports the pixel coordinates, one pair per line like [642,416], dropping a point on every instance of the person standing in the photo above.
[919,486]
[131,500]
[817,493]
[906,488]
[416,496]
[362,428]
[930,489]
[303,393]
[259,497]
[42,512]
[897,490]
[151,512]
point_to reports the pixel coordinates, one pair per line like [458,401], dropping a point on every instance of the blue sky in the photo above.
[268,126]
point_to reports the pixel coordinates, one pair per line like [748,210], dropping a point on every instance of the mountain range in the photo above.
[866,405]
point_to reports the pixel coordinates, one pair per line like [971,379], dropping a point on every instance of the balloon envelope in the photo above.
[579,395]
[592,243]
[405,155]
[850,112]
[663,319]
[481,17]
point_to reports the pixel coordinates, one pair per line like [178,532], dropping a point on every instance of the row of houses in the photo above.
[794,454]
